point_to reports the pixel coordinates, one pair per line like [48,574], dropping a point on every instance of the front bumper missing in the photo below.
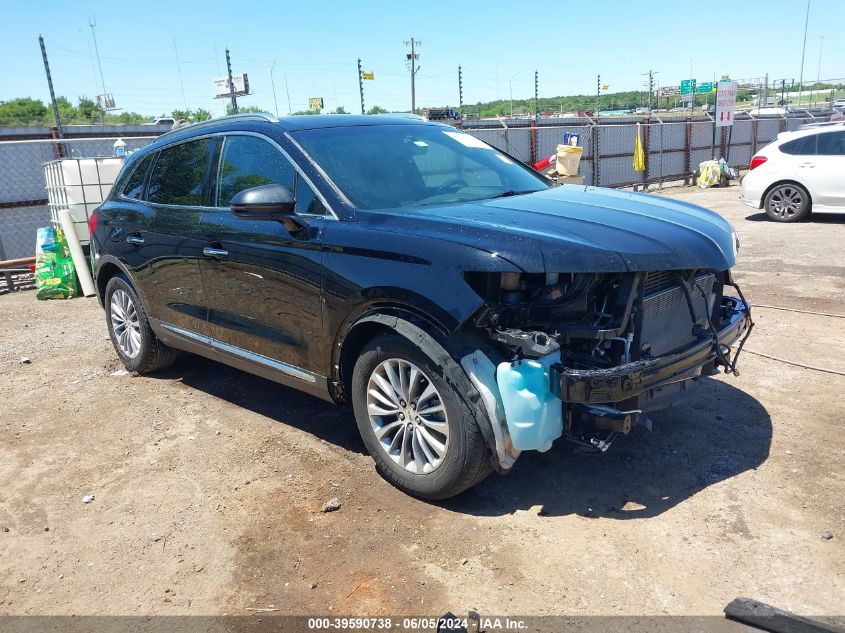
[596,386]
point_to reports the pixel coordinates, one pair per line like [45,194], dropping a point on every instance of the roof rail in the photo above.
[249,116]
[808,126]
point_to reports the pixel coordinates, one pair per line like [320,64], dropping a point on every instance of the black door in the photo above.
[262,281]
[176,195]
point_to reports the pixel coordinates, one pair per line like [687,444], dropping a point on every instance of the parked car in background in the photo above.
[798,173]
[167,120]
[465,307]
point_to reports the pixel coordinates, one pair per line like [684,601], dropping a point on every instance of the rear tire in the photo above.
[787,202]
[130,332]
[434,452]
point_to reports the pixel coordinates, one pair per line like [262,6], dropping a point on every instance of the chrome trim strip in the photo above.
[288,370]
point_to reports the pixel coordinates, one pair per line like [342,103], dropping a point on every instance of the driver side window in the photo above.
[249,161]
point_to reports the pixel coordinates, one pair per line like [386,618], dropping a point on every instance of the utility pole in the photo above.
[50,85]
[287,90]
[361,85]
[803,50]
[536,95]
[460,94]
[231,84]
[650,88]
[412,58]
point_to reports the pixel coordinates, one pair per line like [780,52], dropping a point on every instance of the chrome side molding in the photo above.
[220,346]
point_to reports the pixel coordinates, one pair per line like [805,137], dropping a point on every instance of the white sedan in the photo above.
[799,172]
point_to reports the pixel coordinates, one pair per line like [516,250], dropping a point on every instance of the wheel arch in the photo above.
[786,181]
[425,334]
[108,267]
[374,321]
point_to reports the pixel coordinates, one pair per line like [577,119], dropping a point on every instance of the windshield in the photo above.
[390,166]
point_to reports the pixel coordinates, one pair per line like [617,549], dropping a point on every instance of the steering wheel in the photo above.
[451,185]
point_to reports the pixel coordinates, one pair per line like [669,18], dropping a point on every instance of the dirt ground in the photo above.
[209,482]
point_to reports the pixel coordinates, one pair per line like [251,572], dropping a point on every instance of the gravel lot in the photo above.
[208,483]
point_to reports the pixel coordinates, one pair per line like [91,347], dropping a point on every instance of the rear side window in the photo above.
[248,161]
[134,187]
[179,174]
[831,144]
[805,146]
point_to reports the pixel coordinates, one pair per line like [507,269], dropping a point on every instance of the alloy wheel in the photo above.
[408,416]
[125,323]
[786,202]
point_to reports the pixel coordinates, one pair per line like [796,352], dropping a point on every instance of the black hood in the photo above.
[576,229]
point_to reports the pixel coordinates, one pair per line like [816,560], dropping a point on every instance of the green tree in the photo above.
[22,111]
[245,109]
[87,109]
[376,110]
[201,114]
[340,110]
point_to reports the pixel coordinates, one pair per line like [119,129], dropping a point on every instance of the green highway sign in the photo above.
[707,87]
[688,86]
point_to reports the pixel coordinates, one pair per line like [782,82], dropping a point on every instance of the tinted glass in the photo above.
[801,146]
[135,185]
[179,173]
[831,144]
[306,200]
[390,166]
[247,162]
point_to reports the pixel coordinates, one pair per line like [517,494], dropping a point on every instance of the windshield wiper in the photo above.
[511,192]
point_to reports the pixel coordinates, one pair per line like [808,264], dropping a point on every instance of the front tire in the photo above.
[421,433]
[787,202]
[129,329]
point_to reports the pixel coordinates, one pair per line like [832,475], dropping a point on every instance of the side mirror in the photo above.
[267,202]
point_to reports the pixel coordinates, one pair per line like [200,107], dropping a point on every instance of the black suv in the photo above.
[466,307]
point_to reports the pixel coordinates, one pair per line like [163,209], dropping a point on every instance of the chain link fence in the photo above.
[673,148]
[23,193]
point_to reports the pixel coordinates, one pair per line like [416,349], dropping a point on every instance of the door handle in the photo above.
[216,253]
[807,165]
[135,240]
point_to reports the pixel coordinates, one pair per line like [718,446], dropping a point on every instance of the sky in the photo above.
[315,46]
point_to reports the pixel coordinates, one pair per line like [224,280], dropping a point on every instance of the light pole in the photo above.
[803,50]
[819,71]
[273,83]
[510,88]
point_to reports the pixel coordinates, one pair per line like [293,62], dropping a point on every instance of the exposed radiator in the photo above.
[666,320]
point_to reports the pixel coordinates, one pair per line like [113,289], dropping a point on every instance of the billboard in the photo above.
[221,86]
[315,104]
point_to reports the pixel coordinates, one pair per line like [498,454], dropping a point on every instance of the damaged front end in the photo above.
[585,355]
